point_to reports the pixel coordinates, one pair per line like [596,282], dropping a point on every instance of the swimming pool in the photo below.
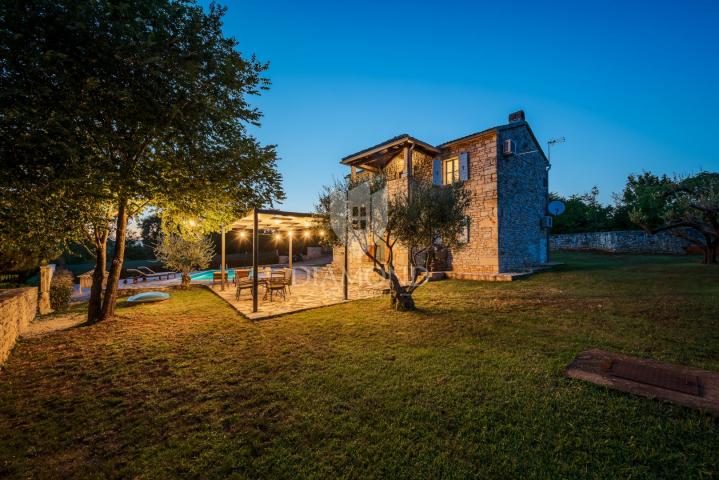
[207,274]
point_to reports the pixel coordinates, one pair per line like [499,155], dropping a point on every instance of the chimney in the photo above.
[516,116]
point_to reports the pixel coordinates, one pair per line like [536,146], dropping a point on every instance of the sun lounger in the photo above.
[139,274]
[150,271]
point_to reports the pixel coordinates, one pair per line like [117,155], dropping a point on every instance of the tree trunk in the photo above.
[113,279]
[186,279]
[94,307]
[710,254]
[400,298]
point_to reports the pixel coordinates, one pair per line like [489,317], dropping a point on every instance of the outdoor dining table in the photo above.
[262,278]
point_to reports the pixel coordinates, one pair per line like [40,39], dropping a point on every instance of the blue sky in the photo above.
[632,85]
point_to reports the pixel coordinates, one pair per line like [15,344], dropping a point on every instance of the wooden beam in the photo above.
[255,257]
[222,261]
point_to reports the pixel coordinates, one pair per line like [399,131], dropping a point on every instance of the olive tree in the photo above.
[420,219]
[185,254]
[687,207]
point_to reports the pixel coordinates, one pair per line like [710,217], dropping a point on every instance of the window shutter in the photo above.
[464,166]
[437,172]
[464,236]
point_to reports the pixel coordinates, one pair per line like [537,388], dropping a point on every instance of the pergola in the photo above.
[272,220]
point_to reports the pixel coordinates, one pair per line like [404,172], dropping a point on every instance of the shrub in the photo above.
[61,290]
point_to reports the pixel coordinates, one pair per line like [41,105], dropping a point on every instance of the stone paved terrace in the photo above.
[307,292]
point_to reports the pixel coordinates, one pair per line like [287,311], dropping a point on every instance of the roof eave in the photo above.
[357,158]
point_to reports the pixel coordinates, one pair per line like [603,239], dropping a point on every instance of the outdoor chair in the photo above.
[150,271]
[243,280]
[287,273]
[136,275]
[276,284]
[217,277]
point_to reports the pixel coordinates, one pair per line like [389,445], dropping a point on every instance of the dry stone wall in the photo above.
[625,241]
[18,307]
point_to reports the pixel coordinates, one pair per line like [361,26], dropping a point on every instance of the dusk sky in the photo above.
[631,88]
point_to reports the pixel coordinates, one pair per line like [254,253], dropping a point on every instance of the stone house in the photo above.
[506,173]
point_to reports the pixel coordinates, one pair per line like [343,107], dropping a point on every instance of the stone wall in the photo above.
[18,307]
[626,241]
[480,255]
[523,190]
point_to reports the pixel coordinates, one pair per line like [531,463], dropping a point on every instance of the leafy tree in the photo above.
[147,102]
[151,229]
[185,254]
[584,213]
[33,231]
[678,205]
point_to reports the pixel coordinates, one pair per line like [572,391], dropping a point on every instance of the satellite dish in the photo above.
[556,207]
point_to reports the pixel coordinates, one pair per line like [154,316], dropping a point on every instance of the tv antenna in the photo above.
[551,143]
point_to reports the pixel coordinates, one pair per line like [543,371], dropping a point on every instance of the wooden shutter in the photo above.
[464,236]
[437,172]
[464,166]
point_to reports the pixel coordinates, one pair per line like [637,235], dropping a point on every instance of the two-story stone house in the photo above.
[506,172]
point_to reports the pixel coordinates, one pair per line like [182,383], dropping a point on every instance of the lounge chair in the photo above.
[139,274]
[150,271]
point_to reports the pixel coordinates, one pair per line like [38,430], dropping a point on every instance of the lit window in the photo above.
[451,170]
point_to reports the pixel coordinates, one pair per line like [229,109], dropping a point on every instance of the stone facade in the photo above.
[18,307]
[626,241]
[507,205]
[481,253]
[522,198]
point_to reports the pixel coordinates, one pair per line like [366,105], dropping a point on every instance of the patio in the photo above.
[312,287]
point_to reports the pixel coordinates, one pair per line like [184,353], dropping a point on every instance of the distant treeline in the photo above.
[585,213]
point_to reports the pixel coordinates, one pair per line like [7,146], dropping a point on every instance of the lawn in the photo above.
[470,385]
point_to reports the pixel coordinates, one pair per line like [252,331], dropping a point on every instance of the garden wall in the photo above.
[18,307]
[625,241]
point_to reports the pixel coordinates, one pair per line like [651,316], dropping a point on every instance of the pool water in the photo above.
[207,275]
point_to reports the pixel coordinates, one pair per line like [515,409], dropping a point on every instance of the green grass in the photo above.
[470,385]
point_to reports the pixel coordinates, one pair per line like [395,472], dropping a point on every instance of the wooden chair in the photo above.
[217,277]
[243,282]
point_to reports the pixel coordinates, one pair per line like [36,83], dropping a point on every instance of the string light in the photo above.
[307,234]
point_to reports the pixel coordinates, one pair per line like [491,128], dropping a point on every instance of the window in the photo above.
[450,170]
[359,218]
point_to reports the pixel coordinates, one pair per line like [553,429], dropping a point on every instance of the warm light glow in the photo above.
[243,234]
[289,234]
[191,222]
[307,234]
[277,222]
[277,236]
[322,233]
